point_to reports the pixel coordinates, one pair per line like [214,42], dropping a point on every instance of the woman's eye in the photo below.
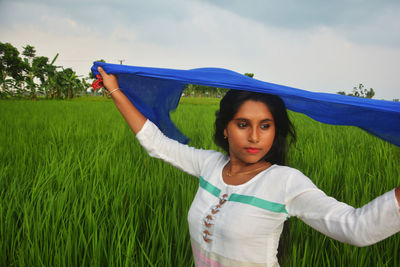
[242,124]
[265,126]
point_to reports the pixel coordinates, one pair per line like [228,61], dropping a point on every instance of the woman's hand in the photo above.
[110,81]
[398,195]
[132,115]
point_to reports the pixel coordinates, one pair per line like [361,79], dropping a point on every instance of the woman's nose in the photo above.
[254,136]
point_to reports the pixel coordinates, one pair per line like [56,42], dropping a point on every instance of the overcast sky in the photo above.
[322,46]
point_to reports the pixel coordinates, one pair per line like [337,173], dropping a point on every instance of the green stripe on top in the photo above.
[209,187]
[258,202]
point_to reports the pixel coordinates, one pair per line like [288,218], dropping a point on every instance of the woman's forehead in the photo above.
[253,109]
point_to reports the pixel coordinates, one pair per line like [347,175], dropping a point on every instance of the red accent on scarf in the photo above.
[97,84]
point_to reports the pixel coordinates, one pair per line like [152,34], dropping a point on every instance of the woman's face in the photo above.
[250,133]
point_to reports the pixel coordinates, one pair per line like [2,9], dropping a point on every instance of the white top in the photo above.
[240,225]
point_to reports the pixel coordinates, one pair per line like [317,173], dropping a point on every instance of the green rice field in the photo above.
[76,188]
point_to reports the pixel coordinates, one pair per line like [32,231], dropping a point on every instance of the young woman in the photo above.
[245,196]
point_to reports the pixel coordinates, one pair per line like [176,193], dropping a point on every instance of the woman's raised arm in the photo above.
[132,115]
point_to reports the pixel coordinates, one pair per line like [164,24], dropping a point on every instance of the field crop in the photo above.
[76,188]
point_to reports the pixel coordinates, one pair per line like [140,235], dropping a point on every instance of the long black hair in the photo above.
[230,105]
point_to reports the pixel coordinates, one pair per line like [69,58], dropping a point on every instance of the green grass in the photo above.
[76,188]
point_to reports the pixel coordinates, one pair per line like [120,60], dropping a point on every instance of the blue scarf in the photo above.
[156,92]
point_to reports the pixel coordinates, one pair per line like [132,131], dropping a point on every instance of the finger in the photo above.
[102,72]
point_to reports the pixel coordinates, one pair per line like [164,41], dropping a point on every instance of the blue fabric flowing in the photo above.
[156,92]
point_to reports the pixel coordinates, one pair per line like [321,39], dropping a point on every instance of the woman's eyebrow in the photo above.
[244,119]
[267,120]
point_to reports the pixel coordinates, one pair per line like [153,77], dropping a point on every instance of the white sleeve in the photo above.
[184,157]
[363,226]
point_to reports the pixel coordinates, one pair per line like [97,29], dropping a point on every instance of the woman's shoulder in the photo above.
[211,156]
[214,159]
[286,170]
[288,183]
[291,176]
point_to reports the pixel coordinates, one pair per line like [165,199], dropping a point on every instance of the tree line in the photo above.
[29,76]
[360,91]
[195,90]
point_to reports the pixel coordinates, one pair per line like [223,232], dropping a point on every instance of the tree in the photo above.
[69,82]
[84,86]
[29,51]
[360,91]
[370,94]
[50,73]
[35,74]
[40,68]
[11,65]
[251,75]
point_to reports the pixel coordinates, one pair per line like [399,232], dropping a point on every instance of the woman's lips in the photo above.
[252,150]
